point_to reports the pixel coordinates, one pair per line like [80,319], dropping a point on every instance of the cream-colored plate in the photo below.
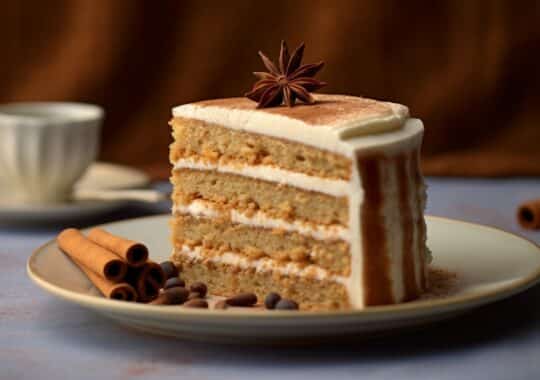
[490,265]
[99,176]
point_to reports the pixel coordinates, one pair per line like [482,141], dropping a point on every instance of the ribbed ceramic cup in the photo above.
[45,147]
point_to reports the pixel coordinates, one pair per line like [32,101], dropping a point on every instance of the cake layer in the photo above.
[270,173]
[246,194]
[207,209]
[257,242]
[196,138]
[228,275]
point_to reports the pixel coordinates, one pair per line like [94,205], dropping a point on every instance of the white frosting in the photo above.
[416,212]
[334,187]
[404,139]
[355,285]
[392,224]
[392,229]
[264,265]
[422,196]
[345,135]
[203,208]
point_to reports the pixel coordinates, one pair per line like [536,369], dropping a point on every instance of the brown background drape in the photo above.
[469,69]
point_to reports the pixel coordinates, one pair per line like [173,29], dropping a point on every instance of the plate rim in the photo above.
[395,311]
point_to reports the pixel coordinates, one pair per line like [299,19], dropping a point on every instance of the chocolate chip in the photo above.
[174,282]
[172,296]
[271,299]
[197,303]
[285,304]
[222,305]
[199,287]
[170,269]
[242,299]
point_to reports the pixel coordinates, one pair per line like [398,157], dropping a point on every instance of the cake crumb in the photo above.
[298,254]
[441,283]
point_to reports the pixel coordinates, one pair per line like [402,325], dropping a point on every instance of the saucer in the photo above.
[99,176]
[489,265]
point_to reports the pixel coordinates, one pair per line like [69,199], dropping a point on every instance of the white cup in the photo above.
[45,147]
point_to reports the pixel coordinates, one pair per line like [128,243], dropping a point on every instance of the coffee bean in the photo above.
[271,299]
[176,295]
[197,303]
[174,282]
[199,287]
[172,296]
[170,269]
[222,305]
[242,299]
[285,304]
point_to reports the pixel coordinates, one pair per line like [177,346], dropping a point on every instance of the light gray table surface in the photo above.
[44,338]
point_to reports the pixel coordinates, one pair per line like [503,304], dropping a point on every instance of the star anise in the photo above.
[286,82]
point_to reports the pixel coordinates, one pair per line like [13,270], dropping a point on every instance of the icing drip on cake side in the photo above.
[377,282]
[404,175]
[420,223]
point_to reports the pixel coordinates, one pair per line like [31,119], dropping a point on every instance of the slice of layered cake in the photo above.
[322,203]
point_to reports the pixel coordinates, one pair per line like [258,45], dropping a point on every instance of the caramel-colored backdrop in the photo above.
[470,70]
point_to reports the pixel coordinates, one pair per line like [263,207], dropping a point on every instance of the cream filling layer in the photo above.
[264,265]
[334,187]
[203,208]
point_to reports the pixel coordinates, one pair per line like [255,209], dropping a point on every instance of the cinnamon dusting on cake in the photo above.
[329,110]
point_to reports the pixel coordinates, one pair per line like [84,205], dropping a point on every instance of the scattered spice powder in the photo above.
[441,283]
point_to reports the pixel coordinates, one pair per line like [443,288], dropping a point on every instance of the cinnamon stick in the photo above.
[118,291]
[94,257]
[528,214]
[147,280]
[134,253]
